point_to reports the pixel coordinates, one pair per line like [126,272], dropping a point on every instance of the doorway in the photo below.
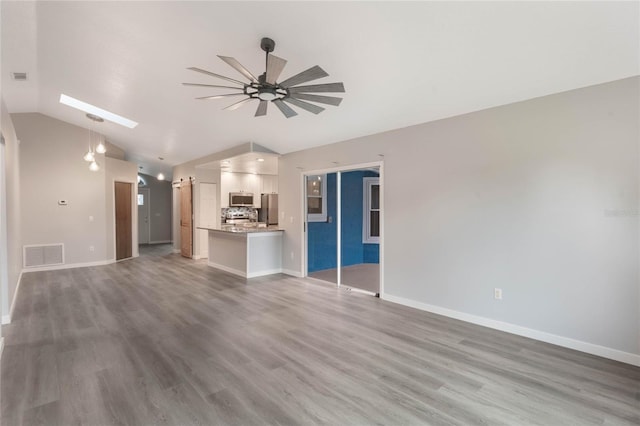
[343,227]
[186,219]
[123,192]
[144,203]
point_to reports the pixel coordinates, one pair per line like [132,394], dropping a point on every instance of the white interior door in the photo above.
[143,215]
[208,214]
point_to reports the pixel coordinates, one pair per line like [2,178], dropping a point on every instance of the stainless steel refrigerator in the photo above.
[268,209]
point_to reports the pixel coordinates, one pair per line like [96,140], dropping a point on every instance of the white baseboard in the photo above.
[590,348]
[70,266]
[6,319]
[243,274]
[227,269]
[263,273]
[292,273]
[160,242]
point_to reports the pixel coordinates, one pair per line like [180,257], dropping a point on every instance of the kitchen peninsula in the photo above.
[248,251]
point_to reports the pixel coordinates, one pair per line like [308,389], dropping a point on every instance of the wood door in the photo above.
[123,220]
[186,222]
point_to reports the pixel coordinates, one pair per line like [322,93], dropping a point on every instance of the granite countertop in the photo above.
[235,229]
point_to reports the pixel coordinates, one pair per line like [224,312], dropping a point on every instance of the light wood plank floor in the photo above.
[365,276]
[165,340]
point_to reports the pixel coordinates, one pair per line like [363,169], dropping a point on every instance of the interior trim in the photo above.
[590,348]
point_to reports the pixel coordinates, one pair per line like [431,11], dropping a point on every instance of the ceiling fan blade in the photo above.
[237,104]
[305,105]
[275,66]
[284,108]
[329,100]
[262,108]
[238,67]
[329,87]
[211,85]
[215,75]
[312,73]
[221,96]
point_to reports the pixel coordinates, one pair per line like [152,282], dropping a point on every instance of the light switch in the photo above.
[90,218]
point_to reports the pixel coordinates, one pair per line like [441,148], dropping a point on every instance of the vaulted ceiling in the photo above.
[401,64]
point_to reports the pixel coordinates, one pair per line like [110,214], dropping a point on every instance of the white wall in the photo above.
[539,198]
[52,169]
[13,219]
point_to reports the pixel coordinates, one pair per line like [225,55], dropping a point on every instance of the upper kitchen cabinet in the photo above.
[254,172]
[269,184]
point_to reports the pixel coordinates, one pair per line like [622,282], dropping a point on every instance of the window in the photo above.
[371,211]
[141,199]
[317,198]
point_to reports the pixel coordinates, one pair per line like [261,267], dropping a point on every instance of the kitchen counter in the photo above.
[248,251]
[240,229]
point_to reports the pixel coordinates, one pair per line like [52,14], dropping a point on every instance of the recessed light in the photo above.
[260,159]
[92,109]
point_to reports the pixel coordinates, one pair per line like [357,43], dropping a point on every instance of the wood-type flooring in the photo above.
[164,340]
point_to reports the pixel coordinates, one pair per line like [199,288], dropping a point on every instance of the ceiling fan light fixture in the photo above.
[267,93]
[266,88]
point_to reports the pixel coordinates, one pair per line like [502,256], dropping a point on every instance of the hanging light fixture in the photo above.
[101,149]
[160,176]
[90,156]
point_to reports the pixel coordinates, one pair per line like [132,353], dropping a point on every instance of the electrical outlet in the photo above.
[90,218]
[497,293]
[291,255]
[91,248]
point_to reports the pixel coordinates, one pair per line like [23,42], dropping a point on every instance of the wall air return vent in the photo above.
[19,76]
[35,256]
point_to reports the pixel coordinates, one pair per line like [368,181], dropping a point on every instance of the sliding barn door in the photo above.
[186,219]
[123,220]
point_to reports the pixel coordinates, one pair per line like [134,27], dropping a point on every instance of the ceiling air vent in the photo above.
[19,76]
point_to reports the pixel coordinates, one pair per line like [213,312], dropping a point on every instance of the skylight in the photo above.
[83,106]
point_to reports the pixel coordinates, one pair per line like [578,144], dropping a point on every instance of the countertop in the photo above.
[234,229]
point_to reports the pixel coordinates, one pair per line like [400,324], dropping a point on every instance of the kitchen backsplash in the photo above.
[251,211]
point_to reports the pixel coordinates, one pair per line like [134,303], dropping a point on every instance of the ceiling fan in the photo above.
[265,87]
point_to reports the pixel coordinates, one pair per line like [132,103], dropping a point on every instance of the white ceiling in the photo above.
[401,63]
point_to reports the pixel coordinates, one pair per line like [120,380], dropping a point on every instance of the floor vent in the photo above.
[43,255]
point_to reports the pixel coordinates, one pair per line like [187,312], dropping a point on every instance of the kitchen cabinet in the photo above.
[246,182]
[269,184]
[240,182]
[246,253]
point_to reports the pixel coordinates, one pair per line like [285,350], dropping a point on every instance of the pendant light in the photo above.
[90,156]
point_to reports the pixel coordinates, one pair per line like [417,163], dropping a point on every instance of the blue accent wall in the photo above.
[322,236]
[322,239]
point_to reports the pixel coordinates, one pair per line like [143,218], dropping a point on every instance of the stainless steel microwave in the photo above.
[240,199]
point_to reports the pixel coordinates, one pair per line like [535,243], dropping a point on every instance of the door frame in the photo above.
[148,205]
[304,225]
[134,217]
